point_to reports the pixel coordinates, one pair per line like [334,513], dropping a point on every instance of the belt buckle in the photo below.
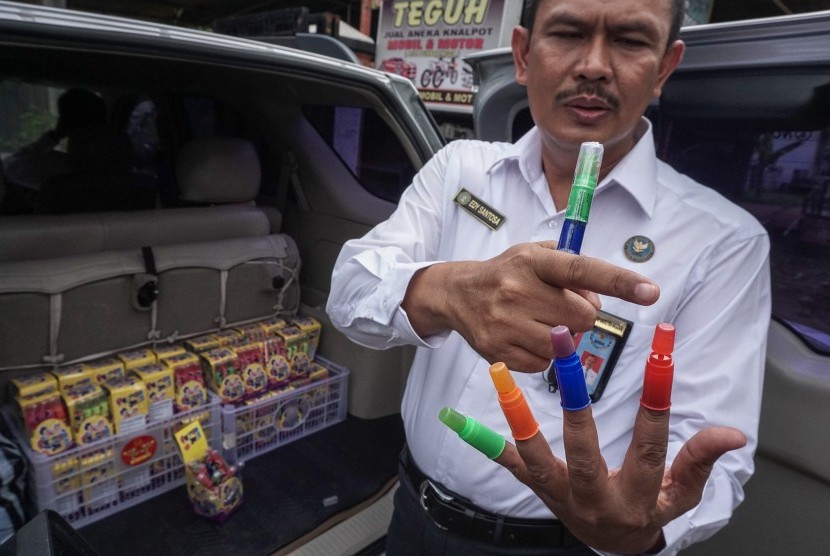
[422,499]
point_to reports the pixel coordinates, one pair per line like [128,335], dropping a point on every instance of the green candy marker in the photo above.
[480,437]
[582,194]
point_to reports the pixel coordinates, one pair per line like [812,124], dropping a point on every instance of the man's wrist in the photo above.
[432,296]
[420,301]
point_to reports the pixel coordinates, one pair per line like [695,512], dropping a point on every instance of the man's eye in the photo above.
[566,34]
[633,43]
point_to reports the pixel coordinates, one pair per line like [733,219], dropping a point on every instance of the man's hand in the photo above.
[505,307]
[622,510]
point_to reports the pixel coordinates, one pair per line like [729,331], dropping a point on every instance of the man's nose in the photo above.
[596,60]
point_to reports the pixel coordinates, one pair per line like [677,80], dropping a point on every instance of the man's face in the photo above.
[592,66]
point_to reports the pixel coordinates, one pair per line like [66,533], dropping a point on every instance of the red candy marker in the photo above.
[659,370]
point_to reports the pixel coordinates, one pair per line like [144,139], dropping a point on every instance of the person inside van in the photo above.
[615,476]
[27,169]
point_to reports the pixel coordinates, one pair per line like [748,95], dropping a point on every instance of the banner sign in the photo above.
[425,41]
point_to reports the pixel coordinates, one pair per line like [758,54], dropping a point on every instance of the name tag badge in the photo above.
[598,350]
[483,212]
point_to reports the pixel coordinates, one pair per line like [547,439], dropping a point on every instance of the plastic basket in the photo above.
[90,482]
[251,430]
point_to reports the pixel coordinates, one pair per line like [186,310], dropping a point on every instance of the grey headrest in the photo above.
[218,170]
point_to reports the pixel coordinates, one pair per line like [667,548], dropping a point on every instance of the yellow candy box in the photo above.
[104,370]
[221,369]
[137,358]
[128,402]
[72,375]
[158,379]
[89,413]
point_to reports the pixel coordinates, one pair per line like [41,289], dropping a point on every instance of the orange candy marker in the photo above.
[513,403]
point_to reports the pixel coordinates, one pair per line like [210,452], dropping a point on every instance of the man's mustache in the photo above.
[589,89]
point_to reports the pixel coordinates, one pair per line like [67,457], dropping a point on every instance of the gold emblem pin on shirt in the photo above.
[483,212]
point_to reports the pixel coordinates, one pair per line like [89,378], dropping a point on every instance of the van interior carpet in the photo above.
[287,493]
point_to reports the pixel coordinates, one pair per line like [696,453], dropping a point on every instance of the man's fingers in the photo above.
[525,345]
[590,297]
[579,272]
[533,350]
[532,462]
[519,359]
[587,471]
[693,465]
[642,472]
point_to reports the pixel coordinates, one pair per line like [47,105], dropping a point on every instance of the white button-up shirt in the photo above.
[710,260]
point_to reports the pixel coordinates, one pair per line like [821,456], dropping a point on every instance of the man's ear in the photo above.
[671,59]
[520,44]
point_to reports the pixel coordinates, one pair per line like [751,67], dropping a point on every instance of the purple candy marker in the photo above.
[572,389]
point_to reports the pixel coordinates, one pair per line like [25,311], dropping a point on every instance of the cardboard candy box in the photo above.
[277,367]
[129,405]
[166,351]
[89,412]
[311,327]
[294,340]
[221,369]
[158,379]
[272,326]
[296,351]
[35,384]
[104,370]
[253,332]
[202,343]
[227,337]
[189,381]
[71,375]
[137,358]
[213,487]
[252,368]
[42,412]
[45,421]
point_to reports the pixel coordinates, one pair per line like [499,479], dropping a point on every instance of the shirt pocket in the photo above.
[625,380]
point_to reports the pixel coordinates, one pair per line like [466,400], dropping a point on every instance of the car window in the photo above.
[138,115]
[366,145]
[26,112]
[782,177]
[208,117]
[152,134]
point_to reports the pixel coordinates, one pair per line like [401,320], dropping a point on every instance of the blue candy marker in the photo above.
[582,194]
[572,389]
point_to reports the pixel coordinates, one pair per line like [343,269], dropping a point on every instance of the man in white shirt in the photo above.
[469,293]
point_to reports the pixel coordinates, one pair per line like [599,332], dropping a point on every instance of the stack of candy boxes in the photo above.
[63,414]
[85,402]
[259,360]
[272,387]
[63,410]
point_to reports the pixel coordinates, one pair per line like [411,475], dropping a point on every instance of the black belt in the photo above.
[451,512]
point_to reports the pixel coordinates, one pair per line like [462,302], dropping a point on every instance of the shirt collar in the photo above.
[636,173]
